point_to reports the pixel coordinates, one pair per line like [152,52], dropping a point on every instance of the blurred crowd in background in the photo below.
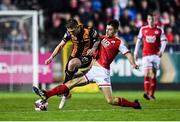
[130,13]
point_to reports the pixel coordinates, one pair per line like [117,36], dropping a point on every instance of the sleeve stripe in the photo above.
[127,52]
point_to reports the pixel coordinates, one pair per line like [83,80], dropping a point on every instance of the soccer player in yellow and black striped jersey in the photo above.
[85,41]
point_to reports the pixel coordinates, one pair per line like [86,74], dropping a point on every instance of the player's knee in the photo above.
[151,74]
[74,63]
[146,74]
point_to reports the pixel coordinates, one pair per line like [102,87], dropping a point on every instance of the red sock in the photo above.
[125,103]
[61,89]
[146,84]
[152,86]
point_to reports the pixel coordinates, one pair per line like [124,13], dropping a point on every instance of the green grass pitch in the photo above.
[91,107]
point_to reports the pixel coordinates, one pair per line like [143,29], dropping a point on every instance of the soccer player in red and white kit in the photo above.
[110,46]
[154,43]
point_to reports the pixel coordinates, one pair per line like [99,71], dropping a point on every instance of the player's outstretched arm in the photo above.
[131,60]
[55,52]
[138,44]
[94,48]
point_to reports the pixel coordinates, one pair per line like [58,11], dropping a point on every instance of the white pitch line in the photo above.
[97,110]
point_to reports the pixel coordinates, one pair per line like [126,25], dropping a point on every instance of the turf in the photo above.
[91,107]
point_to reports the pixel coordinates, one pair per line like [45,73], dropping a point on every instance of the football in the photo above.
[41,105]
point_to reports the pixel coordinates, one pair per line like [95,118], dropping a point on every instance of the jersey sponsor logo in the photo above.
[150,39]
[113,42]
[105,43]
[145,31]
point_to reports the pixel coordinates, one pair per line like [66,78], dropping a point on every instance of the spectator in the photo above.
[96,5]
[169,35]
[175,24]
[176,38]
[6,5]
[73,7]
[127,35]
[123,4]
[131,13]
[132,9]
[101,28]
[138,22]
[125,18]
[165,19]
[27,4]
[97,17]
[109,14]
[116,9]
[84,15]
[144,9]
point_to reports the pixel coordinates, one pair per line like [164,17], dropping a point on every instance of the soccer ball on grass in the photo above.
[41,105]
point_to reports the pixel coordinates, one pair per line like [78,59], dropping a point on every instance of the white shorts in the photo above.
[100,75]
[151,61]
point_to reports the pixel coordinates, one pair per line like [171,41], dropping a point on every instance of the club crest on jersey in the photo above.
[145,31]
[156,32]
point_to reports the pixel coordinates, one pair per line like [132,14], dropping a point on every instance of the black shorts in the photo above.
[85,60]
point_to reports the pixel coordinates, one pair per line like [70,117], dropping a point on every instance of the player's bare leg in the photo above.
[107,92]
[81,81]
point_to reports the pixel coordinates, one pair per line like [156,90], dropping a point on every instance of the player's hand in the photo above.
[91,52]
[159,54]
[135,57]
[135,66]
[49,60]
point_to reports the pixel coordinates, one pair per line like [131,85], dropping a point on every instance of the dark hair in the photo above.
[114,24]
[72,23]
[151,14]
